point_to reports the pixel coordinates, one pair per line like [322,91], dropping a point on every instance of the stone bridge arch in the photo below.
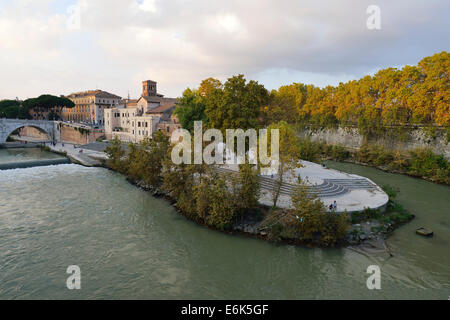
[7,126]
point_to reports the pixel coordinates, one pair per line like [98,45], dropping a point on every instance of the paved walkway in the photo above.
[86,157]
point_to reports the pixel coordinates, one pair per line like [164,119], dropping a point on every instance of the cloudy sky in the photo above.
[61,46]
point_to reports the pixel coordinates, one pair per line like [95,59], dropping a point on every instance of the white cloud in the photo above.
[149,6]
[228,23]
[180,42]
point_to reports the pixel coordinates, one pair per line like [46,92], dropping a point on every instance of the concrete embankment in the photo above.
[79,154]
[33,163]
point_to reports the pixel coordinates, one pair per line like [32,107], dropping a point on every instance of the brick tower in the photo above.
[149,88]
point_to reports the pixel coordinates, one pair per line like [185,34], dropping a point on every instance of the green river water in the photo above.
[129,244]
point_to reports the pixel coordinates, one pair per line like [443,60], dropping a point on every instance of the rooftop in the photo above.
[163,108]
[93,93]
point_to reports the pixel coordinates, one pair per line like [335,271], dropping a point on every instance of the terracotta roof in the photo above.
[163,108]
[152,99]
[91,93]
[129,102]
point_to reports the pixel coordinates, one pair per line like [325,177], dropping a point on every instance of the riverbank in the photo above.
[368,231]
[419,163]
[385,168]
[79,155]
[251,223]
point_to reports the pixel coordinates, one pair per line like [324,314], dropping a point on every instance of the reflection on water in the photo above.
[129,244]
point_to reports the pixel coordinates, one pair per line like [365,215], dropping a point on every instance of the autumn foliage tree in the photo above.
[413,95]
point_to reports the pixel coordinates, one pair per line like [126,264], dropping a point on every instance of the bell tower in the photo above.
[149,88]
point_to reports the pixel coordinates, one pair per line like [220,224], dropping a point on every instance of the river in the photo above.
[21,155]
[129,244]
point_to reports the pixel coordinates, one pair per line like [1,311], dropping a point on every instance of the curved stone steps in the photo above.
[353,183]
[329,188]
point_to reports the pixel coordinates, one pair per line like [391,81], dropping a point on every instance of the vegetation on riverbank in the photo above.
[225,201]
[390,102]
[308,222]
[381,223]
[420,162]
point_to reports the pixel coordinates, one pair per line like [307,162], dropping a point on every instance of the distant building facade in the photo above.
[90,106]
[134,120]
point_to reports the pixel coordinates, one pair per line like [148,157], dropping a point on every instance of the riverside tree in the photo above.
[12,109]
[289,155]
[311,219]
[191,108]
[390,100]
[115,154]
[249,188]
[236,105]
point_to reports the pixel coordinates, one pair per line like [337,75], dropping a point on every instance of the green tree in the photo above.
[311,219]
[208,86]
[154,153]
[11,109]
[115,154]
[47,101]
[237,105]
[222,204]
[249,188]
[191,108]
[289,154]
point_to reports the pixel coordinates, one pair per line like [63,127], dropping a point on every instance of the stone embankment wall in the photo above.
[34,133]
[68,133]
[72,134]
[412,139]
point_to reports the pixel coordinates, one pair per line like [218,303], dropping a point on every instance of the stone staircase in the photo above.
[329,188]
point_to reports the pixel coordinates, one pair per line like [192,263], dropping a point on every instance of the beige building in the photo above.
[90,106]
[135,120]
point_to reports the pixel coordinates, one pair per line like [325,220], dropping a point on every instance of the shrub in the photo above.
[222,207]
[391,191]
[115,154]
[308,220]
[339,153]
[424,163]
[249,188]
[309,150]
